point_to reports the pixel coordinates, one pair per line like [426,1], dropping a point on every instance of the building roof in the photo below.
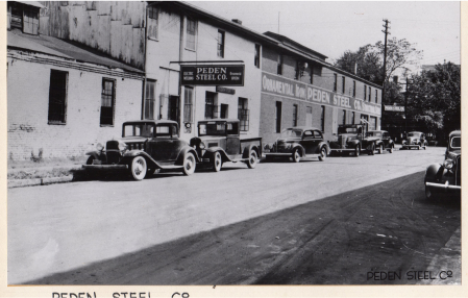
[31,3]
[289,42]
[64,49]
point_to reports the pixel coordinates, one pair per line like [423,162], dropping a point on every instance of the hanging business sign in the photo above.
[221,89]
[231,75]
[394,108]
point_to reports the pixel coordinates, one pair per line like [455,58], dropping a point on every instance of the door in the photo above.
[173,109]
[233,146]
[309,116]
[310,141]
[162,145]
[224,111]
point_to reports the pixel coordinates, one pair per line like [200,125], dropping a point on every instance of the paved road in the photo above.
[73,227]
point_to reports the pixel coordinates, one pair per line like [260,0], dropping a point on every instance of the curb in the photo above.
[38,181]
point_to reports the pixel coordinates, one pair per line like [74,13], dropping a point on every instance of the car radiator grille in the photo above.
[136,146]
[112,145]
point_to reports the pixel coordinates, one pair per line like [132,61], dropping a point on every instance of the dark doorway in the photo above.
[173,109]
[224,111]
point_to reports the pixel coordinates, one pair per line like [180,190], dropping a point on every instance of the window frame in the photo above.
[151,12]
[114,95]
[243,113]
[322,119]
[222,44]
[149,100]
[335,82]
[63,121]
[343,88]
[257,55]
[295,114]
[354,88]
[188,106]
[278,116]
[195,35]
[279,67]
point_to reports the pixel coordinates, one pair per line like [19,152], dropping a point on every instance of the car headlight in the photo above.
[122,146]
[99,147]
[404,142]
[201,146]
[448,164]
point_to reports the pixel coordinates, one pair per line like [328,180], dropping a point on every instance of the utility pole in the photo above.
[384,67]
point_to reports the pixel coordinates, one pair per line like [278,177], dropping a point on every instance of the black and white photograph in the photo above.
[229,143]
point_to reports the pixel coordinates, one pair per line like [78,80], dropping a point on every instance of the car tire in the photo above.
[217,161]
[391,150]
[429,193]
[357,151]
[419,146]
[296,155]
[138,168]
[323,153]
[189,164]
[252,161]
[381,149]
[372,149]
[91,160]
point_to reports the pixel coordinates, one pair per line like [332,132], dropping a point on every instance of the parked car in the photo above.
[414,139]
[352,139]
[145,146]
[297,143]
[385,142]
[446,177]
[219,141]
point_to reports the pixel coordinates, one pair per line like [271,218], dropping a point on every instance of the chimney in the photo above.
[237,21]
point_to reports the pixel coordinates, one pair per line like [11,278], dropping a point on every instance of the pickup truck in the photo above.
[219,141]
[352,138]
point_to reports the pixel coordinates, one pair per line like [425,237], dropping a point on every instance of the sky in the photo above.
[331,28]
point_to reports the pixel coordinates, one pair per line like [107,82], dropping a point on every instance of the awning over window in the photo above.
[34,3]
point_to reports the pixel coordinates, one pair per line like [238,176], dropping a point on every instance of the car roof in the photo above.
[151,122]
[455,132]
[219,120]
[304,128]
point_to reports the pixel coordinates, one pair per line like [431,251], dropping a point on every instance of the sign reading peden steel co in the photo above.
[232,75]
[299,90]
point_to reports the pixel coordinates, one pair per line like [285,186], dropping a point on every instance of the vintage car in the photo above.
[352,139]
[145,146]
[297,143]
[385,142]
[446,177]
[414,139]
[219,141]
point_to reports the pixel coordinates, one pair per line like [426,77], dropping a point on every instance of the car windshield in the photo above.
[374,134]
[291,132]
[347,130]
[138,130]
[212,129]
[455,143]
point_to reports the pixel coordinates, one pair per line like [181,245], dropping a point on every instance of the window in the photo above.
[58,97]
[365,92]
[257,56]
[353,117]
[149,99]
[343,87]
[24,16]
[294,115]
[376,95]
[309,116]
[354,88]
[211,105]
[190,42]
[311,75]
[188,104]
[278,117]
[335,82]
[279,69]
[322,119]
[370,94]
[373,123]
[344,116]
[243,114]
[224,111]
[153,17]
[107,101]
[220,43]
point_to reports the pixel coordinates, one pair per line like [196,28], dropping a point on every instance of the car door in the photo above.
[162,144]
[307,141]
[233,146]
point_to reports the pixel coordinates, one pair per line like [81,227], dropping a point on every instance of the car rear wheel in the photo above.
[381,149]
[217,161]
[252,161]
[296,155]
[371,149]
[189,164]
[138,168]
[323,153]
[391,150]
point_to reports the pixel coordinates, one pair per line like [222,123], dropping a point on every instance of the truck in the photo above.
[352,138]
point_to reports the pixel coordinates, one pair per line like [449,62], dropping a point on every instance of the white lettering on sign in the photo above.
[277,86]
[209,70]
[341,101]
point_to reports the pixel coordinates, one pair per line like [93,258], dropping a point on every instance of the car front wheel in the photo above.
[323,153]
[138,168]
[189,164]
[252,162]
[381,149]
[372,149]
[217,161]
[296,155]
[357,151]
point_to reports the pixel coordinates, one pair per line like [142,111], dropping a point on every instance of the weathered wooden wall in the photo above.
[116,28]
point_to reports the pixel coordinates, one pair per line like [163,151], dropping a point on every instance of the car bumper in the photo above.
[105,167]
[446,186]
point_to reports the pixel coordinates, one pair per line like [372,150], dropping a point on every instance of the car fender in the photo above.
[432,172]
[95,154]
[211,151]
[298,146]
[247,149]
[320,145]
[354,143]
[129,155]
[180,157]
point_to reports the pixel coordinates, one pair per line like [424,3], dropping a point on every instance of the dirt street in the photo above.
[281,223]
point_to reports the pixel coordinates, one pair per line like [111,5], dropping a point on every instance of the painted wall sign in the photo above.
[286,87]
[394,108]
[221,89]
[232,75]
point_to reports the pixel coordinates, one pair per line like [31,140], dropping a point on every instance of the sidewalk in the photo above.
[31,175]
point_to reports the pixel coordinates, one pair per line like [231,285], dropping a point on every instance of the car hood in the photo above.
[133,139]
[205,139]
[286,140]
